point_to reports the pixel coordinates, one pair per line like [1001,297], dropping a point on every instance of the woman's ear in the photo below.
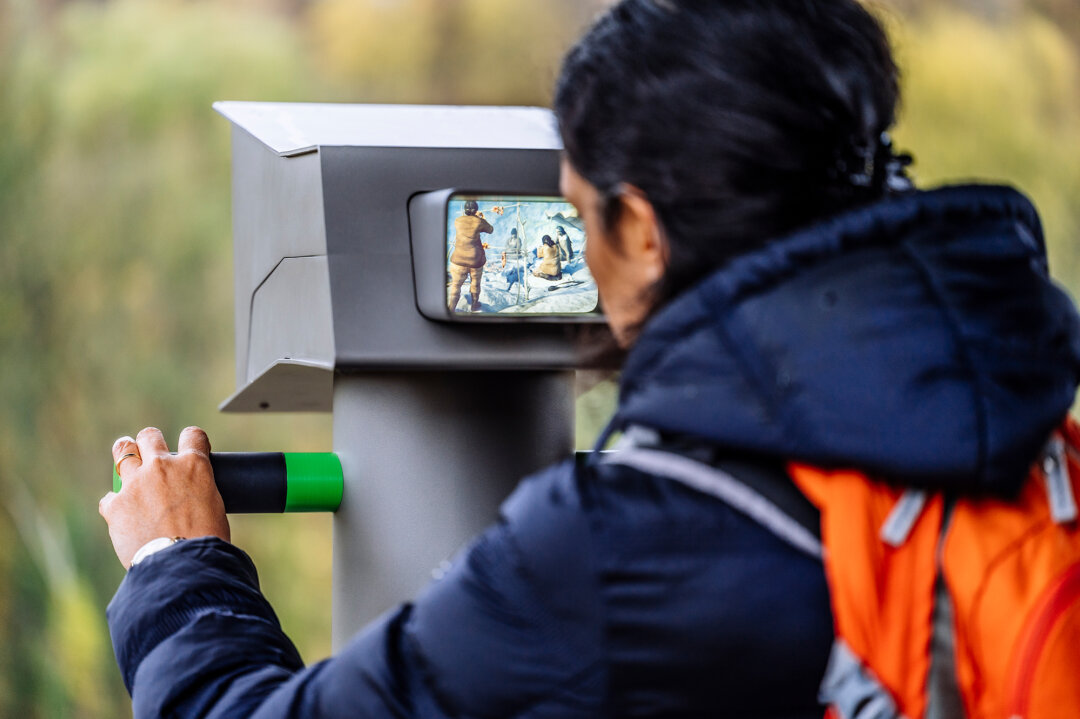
[640,235]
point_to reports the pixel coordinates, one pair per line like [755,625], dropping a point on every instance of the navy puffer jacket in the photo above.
[919,339]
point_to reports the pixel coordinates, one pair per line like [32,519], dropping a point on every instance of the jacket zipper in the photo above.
[1034,636]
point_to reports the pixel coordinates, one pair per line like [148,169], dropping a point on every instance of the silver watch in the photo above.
[153,546]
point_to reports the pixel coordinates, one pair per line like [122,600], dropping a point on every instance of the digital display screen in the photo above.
[516,255]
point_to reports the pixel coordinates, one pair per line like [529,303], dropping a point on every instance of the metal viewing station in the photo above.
[337,224]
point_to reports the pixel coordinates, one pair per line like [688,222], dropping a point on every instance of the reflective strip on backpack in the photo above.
[720,484]
[852,691]
[1058,487]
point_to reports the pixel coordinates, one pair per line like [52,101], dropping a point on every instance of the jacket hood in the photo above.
[918,339]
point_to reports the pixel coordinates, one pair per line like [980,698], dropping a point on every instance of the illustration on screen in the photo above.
[516,255]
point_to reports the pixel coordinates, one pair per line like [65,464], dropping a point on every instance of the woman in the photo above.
[550,268]
[468,258]
[783,294]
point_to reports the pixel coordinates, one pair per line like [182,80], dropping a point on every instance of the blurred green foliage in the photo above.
[115,253]
[115,300]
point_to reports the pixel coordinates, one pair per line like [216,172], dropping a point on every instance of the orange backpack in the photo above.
[1001,579]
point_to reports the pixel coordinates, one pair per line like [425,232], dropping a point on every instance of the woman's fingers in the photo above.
[194,440]
[126,455]
[151,443]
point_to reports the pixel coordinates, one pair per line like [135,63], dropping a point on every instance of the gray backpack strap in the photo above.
[852,690]
[943,698]
[714,481]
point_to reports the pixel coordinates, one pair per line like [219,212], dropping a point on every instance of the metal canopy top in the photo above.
[297,128]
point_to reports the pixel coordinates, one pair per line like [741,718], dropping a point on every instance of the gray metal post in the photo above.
[427,458]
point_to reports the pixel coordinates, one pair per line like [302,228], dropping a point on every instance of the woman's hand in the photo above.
[163,495]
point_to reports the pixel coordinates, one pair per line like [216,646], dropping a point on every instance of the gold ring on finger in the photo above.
[122,458]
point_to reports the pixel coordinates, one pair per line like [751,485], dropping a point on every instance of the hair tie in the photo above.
[892,167]
[874,166]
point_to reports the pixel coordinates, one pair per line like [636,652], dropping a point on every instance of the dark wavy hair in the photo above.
[740,120]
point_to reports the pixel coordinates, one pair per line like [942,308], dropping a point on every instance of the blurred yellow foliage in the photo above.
[384,47]
[1001,102]
[444,51]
